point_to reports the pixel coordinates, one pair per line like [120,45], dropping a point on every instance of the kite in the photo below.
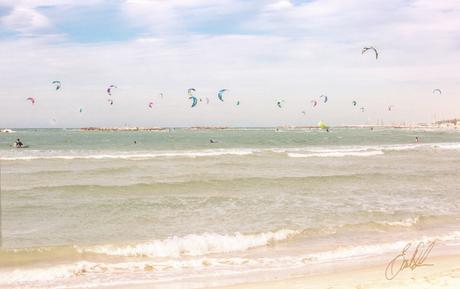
[220,95]
[365,49]
[109,89]
[31,99]
[190,91]
[194,101]
[57,84]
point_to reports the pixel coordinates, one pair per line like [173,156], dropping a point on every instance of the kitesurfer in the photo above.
[18,143]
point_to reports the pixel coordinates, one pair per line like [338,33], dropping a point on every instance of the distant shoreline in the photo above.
[167,129]
[421,126]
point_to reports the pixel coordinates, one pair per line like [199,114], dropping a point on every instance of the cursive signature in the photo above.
[401,262]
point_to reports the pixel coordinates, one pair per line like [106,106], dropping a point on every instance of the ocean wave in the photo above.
[448,146]
[193,245]
[361,251]
[200,265]
[135,156]
[293,152]
[408,222]
[336,154]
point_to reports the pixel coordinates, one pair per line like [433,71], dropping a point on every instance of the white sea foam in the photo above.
[353,252]
[409,222]
[293,152]
[336,154]
[204,264]
[194,245]
[448,146]
[134,156]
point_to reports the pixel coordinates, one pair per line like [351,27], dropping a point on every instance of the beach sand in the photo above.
[444,273]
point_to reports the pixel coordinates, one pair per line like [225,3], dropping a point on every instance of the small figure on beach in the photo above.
[212,141]
[135,142]
[416,139]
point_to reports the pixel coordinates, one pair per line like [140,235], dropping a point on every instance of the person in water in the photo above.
[18,143]
[212,141]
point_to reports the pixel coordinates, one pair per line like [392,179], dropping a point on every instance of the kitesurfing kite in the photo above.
[207,100]
[322,125]
[354,103]
[110,101]
[313,103]
[365,49]
[31,99]
[437,90]
[362,109]
[151,104]
[190,91]
[220,95]
[81,110]
[304,112]
[161,95]
[57,84]
[109,89]
[279,103]
[390,107]
[238,102]
[325,98]
[194,101]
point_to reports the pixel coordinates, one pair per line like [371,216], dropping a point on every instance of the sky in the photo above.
[262,51]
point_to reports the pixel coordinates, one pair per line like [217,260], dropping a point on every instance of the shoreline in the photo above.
[445,273]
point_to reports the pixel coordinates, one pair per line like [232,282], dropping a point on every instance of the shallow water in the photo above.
[92,208]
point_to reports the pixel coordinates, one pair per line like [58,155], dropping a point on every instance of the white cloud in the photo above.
[25,17]
[163,17]
[25,20]
[279,5]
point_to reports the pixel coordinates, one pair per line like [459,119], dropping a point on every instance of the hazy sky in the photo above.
[261,50]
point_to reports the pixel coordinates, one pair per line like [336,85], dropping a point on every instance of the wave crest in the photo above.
[194,245]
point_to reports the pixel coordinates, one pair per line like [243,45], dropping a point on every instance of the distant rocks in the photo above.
[123,129]
[7,130]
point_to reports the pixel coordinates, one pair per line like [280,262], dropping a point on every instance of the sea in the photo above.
[171,209]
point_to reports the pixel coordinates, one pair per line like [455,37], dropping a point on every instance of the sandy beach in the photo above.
[445,273]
